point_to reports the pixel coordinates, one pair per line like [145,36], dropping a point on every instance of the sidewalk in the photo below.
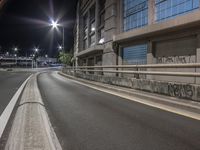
[31,128]
[183,107]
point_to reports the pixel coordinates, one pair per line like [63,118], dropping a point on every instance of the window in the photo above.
[85,46]
[92,38]
[171,8]
[92,27]
[92,13]
[136,54]
[101,22]
[102,18]
[135,14]
[98,60]
[101,36]
[85,32]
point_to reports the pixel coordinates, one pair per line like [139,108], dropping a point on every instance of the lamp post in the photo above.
[36,50]
[16,50]
[54,25]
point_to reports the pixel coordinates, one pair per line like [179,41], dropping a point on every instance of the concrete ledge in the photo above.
[31,128]
[174,89]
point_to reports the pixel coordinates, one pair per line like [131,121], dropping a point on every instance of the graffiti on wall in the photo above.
[176,60]
[179,90]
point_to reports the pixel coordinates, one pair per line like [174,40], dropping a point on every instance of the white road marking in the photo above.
[171,109]
[8,110]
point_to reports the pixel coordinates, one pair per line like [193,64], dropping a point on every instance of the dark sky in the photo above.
[23,23]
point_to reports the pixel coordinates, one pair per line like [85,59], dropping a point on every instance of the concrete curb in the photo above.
[179,106]
[9,109]
[31,128]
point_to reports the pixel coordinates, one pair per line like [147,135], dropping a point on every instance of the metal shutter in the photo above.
[135,54]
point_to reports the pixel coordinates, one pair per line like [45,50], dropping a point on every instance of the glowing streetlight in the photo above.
[60,47]
[36,50]
[54,25]
[15,49]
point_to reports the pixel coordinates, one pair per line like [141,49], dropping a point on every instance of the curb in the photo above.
[178,106]
[31,128]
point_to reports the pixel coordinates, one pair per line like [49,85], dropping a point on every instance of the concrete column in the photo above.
[198,57]
[109,54]
[150,58]
[96,21]
[198,61]
[151,11]
[120,59]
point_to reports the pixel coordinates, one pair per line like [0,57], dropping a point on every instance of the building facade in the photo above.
[121,32]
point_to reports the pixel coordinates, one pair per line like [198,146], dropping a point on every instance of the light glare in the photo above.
[54,24]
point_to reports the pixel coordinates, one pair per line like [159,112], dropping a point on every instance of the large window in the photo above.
[92,27]
[85,35]
[101,22]
[136,54]
[170,8]
[135,14]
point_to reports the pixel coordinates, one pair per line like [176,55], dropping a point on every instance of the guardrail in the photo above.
[118,69]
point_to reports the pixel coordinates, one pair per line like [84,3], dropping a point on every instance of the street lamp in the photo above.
[54,25]
[15,55]
[60,47]
[15,49]
[36,50]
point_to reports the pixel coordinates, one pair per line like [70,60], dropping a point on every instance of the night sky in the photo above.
[24,24]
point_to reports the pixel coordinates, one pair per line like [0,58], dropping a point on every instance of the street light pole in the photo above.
[55,24]
[63,38]
[16,50]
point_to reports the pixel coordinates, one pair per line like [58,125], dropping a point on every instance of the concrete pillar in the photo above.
[198,61]
[198,57]
[151,11]
[109,54]
[150,58]
[120,59]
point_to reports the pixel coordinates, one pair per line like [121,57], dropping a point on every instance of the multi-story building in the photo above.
[118,32]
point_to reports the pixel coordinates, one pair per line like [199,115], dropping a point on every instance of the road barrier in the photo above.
[120,69]
[176,80]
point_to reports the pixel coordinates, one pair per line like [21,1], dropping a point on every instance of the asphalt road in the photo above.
[9,84]
[87,119]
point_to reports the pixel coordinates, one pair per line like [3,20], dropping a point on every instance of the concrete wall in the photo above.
[175,89]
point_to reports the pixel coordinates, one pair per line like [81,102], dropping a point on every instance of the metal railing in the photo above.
[118,69]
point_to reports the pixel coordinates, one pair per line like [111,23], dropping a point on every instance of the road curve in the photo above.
[87,119]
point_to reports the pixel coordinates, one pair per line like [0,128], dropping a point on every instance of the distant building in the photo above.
[120,32]
[46,61]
